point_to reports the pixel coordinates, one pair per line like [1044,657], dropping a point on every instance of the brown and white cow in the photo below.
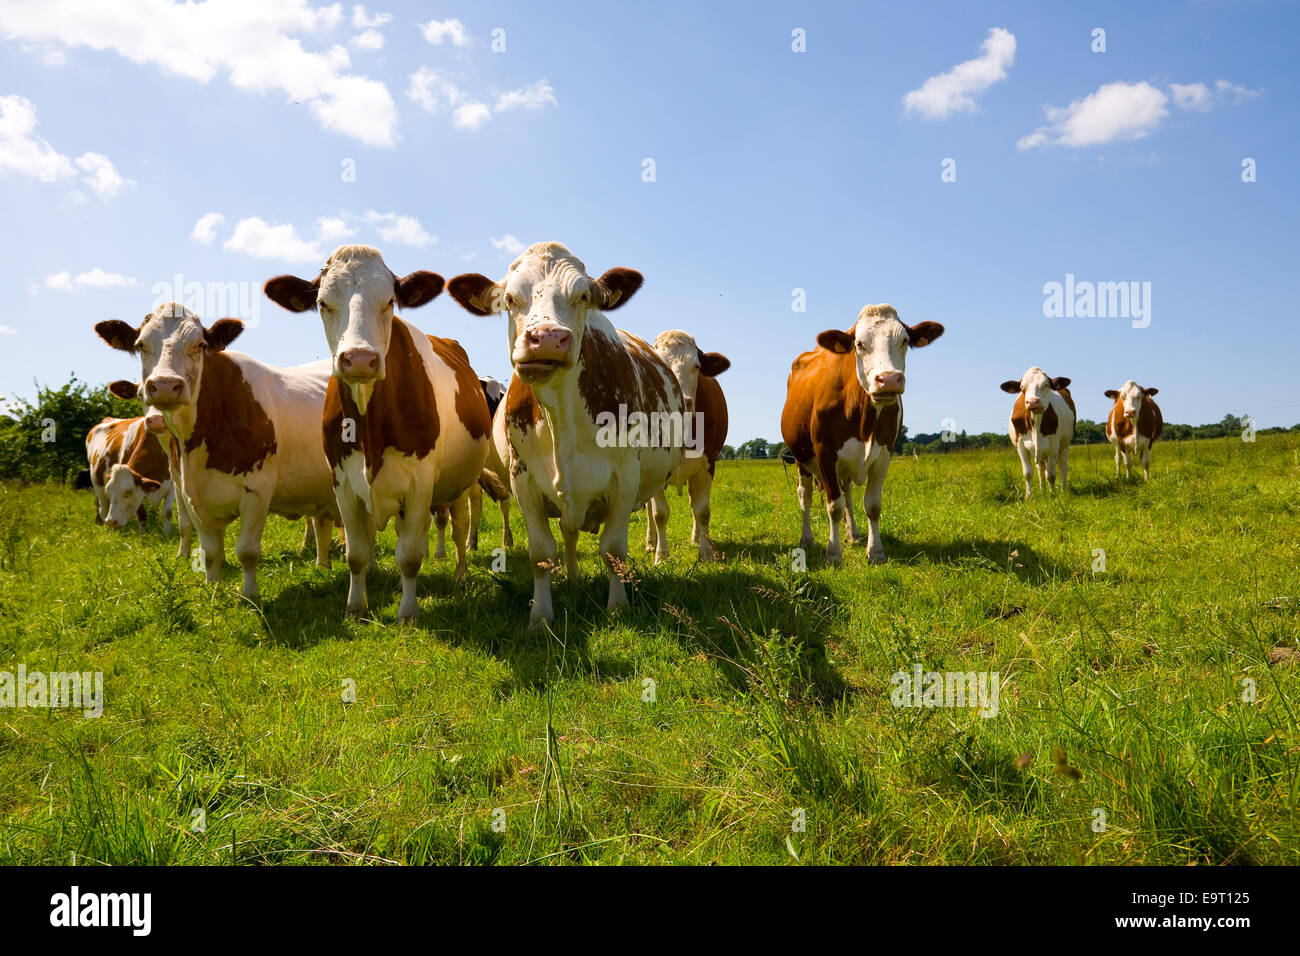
[248,432]
[843,415]
[578,409]
[127,469]
[706,411]
[157,426]
[405,422]
[1041,426]
[1134,425]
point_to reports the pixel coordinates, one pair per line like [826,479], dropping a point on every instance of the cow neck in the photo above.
[227,419]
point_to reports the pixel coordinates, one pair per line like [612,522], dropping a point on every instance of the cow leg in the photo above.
[1049,472]
[168,504]
[1027,468]
[570,551]
[651,532]
[358,545]
[248,546]
[805,492]
[1065,466]
[440,516]
[101,504]
[701,486]
[659,511]
[412,527]
[324,532]
[212,544]
[464,527]
[1146,463]
[834,504]
[613,548]
[184,519]
[848,511]
[140,515]
[541,551]
[871,505]
[308,534]
[507,536]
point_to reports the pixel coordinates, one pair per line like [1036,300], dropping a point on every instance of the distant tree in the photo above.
[754,448]
[47,440]
[727,453]
[776,450]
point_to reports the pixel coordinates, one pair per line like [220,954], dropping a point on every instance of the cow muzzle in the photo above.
[165,392]
[357,366]
[543,349]
[886,387]
[154,421]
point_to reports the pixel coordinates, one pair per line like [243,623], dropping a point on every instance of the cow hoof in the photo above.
[459,573]
[877,557]
[806,543]
[440,554]
[833,558]
[536,621]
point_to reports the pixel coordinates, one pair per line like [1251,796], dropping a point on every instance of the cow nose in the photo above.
[556,341]
[359,362]
[155,422]
[166,388]
[1033,403]
[889,382]
[112,523]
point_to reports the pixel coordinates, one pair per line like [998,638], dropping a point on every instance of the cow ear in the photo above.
[1112,393]
[923,333]
[836,340]
[148,484]
[1012,387]
[119,334]
[292,293]
[1151,391]
[615,287]
[418,288]
[222,332]
[124,389]
[477,293]
[1060,383]
[713,363]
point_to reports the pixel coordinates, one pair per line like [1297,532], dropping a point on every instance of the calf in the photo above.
[127,469]
[1134,425]
[1041,426]
[843,415]
[246,432]
[157,426]
[499,491]
[706,411]
[405,423]
[576,409]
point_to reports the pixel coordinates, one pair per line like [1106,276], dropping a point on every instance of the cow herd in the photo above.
[596,423]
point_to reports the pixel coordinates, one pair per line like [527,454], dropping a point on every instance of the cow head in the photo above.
[171,344]
[546,296]
[153,419]
[1037,389]
[126,492]
[1130,398]
[683,356]
[356,294]
[880,341]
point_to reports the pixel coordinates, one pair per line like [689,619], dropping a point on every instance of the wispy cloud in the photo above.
[256,237]
[205,230]
[1116,111]
[957,90]
[96,278]
[435,93]
[508,243]
[25,153]
[452,31]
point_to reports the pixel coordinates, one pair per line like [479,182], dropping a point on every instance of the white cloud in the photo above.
[6,330]
[956,91]
[361,21]
[101,175]
[508,243]
[404,229]
[1239,93]
[255,237]
[435,31]
[21,150]
[333,229]
[368,41]
[1190,96]
[532,97]
[1116,111]
[205,230]
[96,278]
[471,115]
[255,44]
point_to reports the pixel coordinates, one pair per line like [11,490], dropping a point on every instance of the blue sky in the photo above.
[123,125]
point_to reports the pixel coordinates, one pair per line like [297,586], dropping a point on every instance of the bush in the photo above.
[47,440]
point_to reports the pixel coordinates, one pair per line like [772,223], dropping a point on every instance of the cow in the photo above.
[499,491]
[158,428]
[706,411]
[405,424]
[246,431]
[1134,425]
[1041,426]
[581,409]
[127,469]
[843,415]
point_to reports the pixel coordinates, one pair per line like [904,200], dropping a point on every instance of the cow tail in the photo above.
[493,485]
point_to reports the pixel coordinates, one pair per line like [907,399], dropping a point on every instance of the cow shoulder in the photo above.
[1021,420]
[471,403]
[229,419]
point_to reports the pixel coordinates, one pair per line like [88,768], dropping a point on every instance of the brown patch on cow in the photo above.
[471,404]
[402,413]
[825,406]
[712,404]
[229,420]
[1050,421]
[609,376]
[1021,419]
[146,458]
[113,449]
[1069,400]
[523,410]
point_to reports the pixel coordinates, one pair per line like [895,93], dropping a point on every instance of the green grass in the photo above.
[771,687]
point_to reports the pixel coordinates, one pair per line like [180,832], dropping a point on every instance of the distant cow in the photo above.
[843,415]
[581,411]
[706,411]
[127,469]
[1134,425]
[248,433]
[1041,426]
[405,422]
[494,392]
[157,426]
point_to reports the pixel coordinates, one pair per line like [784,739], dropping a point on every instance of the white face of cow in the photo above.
[1037,389]
[880,342]
[683,356]
[171,345]
[356,295]
[126,492]
[546,296]
[1131,397]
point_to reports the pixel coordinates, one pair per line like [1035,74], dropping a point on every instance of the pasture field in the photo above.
[727,706]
